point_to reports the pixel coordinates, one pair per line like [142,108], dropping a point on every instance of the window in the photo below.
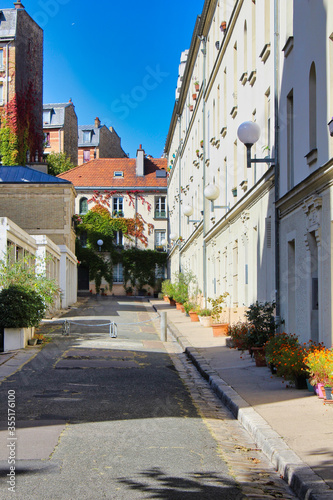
[118,207]
[83,205]
[86,136]
[118,174]
[47,139]
[313,107]
[86,155]
[1,58]
[118,273]
[290,139]
[47,116]
[160,207]
[159,237]
[83,239]
[118,238]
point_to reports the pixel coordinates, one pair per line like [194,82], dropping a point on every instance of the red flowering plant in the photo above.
[239,335]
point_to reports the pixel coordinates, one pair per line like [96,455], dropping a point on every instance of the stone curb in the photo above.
[299,476]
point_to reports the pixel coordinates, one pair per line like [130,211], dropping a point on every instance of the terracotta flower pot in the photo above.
[172,302]
[193,316]
[259,356]
[220,329]
[178,306]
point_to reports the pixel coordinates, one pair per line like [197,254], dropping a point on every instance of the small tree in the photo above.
[58,163]
[23,273]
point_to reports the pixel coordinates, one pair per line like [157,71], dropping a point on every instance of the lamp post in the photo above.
[100,243]
[249,133]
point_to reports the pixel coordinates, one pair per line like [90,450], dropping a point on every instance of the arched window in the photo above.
[313,108]
[83,205]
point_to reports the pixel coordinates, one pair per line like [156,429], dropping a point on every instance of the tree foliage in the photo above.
[23,273]
[58,163]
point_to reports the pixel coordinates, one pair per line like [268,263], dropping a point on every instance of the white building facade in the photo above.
[255,60]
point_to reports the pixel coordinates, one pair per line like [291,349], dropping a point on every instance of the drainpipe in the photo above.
[180,193]
[277,156]
[204,230]
[7,75]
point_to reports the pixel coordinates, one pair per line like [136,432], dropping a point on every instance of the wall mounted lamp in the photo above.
[176,241]
[249,133]
[188,211]
[100,243]
[212,192]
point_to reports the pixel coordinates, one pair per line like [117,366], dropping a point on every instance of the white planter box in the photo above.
[16,338]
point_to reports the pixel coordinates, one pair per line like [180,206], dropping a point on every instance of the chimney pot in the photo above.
[18,5]
[97,122]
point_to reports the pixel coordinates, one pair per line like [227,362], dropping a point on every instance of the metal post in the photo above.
[163,326]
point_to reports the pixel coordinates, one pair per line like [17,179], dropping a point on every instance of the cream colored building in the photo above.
[127,187]
[260,61]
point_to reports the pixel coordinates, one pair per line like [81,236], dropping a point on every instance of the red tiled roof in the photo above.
[99,173]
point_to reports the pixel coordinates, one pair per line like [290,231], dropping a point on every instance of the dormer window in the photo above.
[118,174]
[47,116]
[87,136]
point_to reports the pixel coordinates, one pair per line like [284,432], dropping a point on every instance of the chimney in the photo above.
[18,5]
[97,122]
[140,162]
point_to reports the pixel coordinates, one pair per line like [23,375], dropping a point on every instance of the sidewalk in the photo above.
[294,428]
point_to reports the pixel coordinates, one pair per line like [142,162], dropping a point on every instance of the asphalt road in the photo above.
[112,418]
[95,422]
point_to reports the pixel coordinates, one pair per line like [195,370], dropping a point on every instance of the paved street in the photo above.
[124,418]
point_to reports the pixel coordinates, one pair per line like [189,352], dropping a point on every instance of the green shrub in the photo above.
[261,318]
[205,312]
[20,307]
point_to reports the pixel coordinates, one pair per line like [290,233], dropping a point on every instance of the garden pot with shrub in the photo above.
[21,309]
[219,329]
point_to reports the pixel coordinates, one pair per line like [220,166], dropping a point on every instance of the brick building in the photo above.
[61,129]
[21,77]
[98,141]
[137,186]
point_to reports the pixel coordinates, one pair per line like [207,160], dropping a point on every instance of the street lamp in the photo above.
[249,133]
[188,211]
[100,243]
[212,192]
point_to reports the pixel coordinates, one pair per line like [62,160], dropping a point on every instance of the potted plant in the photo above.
[190,107]
[193,310]
[21,310]
[205,317]
[196,85]
[201,144]
[223,26]
[319,362]
[129,290]
[238,333]
[197,152]
[274,346]
[219,329]
[262,328]
[194,97]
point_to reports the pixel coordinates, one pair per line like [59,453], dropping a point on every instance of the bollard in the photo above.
[163,326]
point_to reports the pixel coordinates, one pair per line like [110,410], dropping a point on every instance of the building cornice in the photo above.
[315,183]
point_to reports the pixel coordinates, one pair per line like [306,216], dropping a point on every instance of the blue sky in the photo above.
[116,60]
